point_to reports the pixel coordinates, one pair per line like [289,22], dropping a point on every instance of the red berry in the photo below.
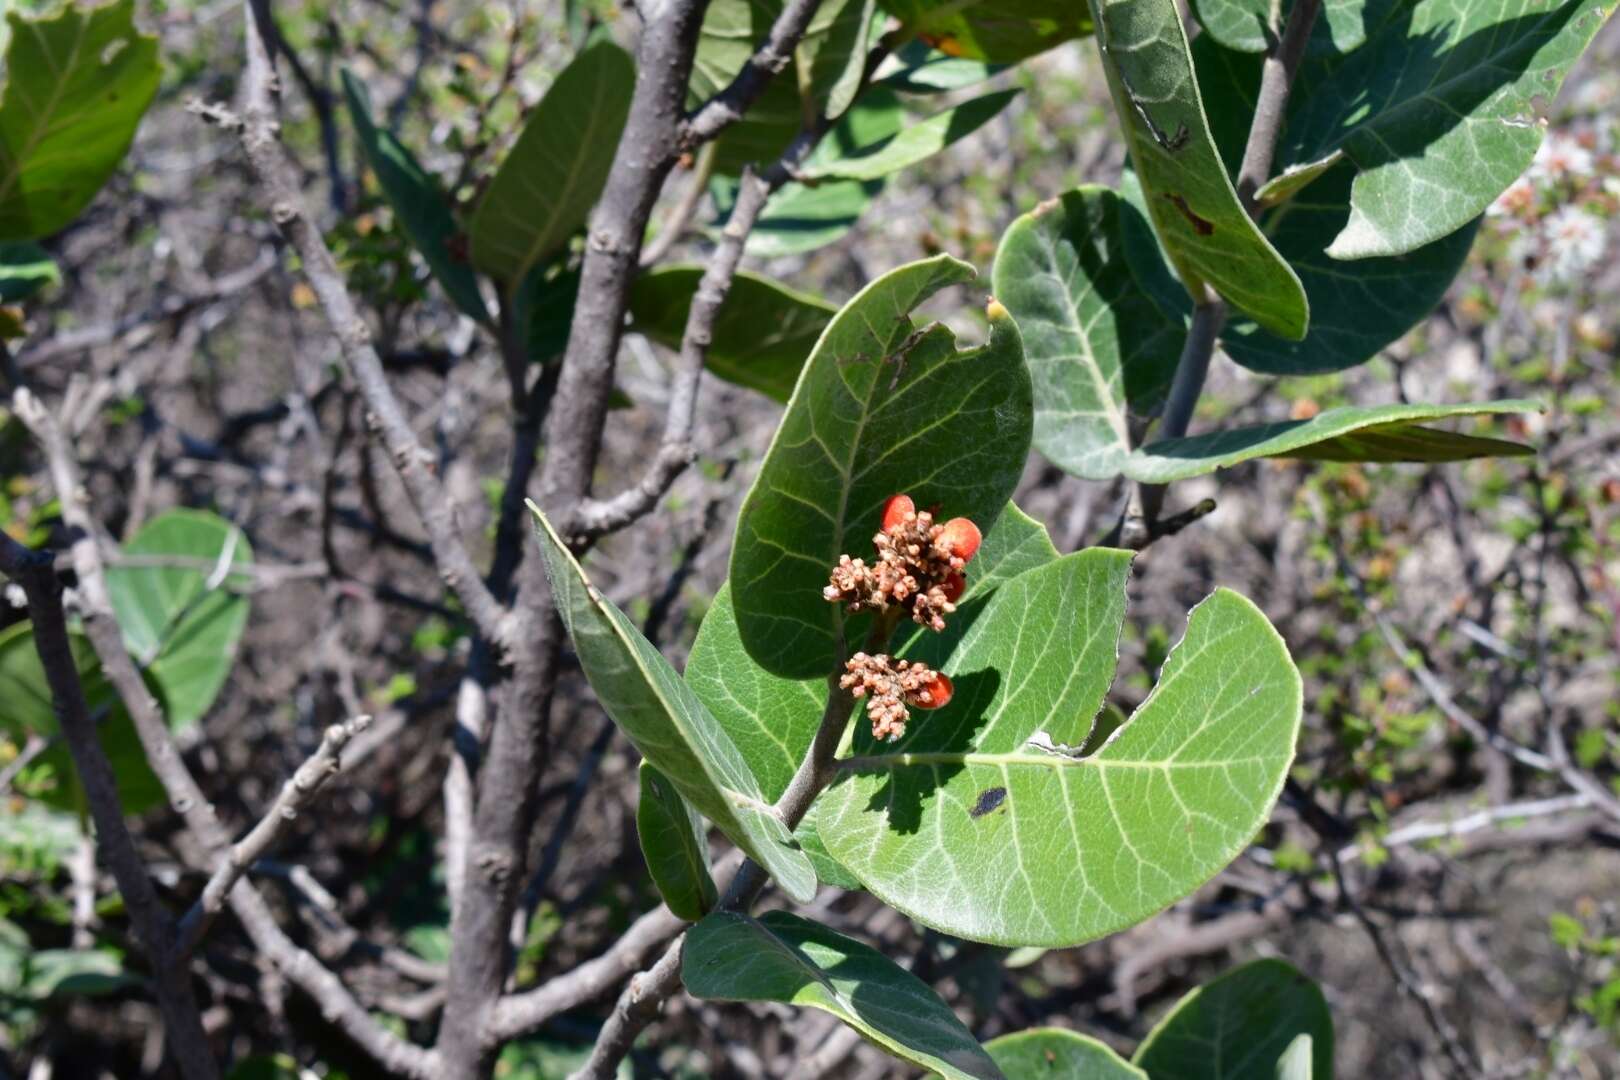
[896,510]
[936,694]
[954,586]
[961,538]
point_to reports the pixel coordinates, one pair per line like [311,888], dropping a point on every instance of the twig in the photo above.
[279,182]
[730,104]
[35,572]
[697,185]
[1276,80]
[296,793]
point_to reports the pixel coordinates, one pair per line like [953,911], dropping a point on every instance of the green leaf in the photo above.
[914,142]
[1357,308]
[76,87]
[1099,350]
[798,218]
[1003,31]
[667,722]
[1437,112]
[782,958]
[1059,1054]
[1206,232]
[1383,433]
[25,709]
[981,822]
[544,308]
[1296,1061]
[828,869]
[182,622]
[829,57]
[882,407]
[918,69]
[418,202]
[1235,1027]
[675,847]
[1242,24]
[761,337]
[69,972]
[25,268]
[553,174]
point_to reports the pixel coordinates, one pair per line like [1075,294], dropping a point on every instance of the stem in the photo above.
[1276,80]
[1193,367]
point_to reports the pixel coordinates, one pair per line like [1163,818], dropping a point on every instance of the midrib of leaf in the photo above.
[42,128]
[1054,760]
[1104,387]
[532,251]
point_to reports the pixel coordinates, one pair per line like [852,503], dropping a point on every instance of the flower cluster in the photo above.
[889,686]
[1554,217]
[918,565]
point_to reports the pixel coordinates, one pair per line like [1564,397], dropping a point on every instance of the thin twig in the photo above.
[296,794]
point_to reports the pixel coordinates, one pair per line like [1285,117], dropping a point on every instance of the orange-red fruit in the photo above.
[961,538]
[896,510]
[953,586]
[939,693]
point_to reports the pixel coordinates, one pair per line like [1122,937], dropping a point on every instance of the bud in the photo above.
[896,510]
[935,694]
[960,539]
[953,587]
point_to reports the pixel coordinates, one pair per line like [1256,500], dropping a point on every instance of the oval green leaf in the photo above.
[76,86]
[182,606]
[783,958]
[1239,1025]
[553,174]
[667,723]
[674,845]
[1059,1054]
[1206,232]
[1099,350]
[912,143]
[1381,433]
[882,407]
[1446,100]
[984,823]
[1002,31]
[421,206]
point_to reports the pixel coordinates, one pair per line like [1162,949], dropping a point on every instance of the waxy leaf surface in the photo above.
[1207,233]
[1099,350]
[1059,1054]
[675,847]
[1438,111]
[1239,1025]
[76,86]
[183,612]
[421,206]
[667,722]
[782,958]
[552,176]
[882,407]
[1382,433]
[984,823]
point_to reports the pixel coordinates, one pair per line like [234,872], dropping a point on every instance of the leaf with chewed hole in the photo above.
[984,822]
[1207,234]
[883,406]
[667,723]
[782,958]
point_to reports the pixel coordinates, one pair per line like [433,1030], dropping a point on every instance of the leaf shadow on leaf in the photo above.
[975,690]
[1478,55]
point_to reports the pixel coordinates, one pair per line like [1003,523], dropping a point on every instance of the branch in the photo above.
[681,214]
[35,572]
[278,181]
[184,794]
[296,794]
[1276,81]
[773,54]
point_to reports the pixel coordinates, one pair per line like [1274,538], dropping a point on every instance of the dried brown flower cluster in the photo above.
[918,566]
[889,686]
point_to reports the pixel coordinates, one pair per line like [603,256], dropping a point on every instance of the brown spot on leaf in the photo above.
[1201,226]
